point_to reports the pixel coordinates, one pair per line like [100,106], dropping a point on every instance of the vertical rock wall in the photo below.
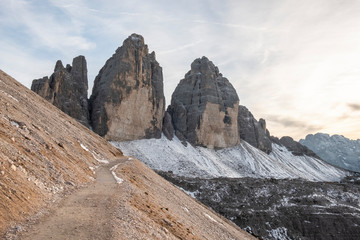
[127,101]
[67,89]
[204,107]
[253,131]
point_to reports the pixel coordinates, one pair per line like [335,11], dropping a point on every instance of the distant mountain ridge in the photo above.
[336,149]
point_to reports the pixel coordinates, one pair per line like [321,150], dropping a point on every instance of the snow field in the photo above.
[235,162]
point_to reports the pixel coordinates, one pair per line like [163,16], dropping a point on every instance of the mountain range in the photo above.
[336,149]
[207,144]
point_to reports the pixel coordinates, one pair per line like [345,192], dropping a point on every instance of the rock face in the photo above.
[337,150]
[253,131]
[67,89]
[294,147]
[127,101]
[168,128]
[204,107]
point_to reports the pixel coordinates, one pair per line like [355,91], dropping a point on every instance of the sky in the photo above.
[294,63]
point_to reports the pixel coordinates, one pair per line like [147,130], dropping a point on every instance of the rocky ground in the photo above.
[129,201]
[44,153]
[282,209]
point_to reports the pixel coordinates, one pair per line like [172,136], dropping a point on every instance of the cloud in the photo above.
[289,122]
[180,48]
[354,106]
[47,27]
[292,58]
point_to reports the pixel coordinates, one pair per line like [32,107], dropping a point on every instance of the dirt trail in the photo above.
[86,214]
[138,205]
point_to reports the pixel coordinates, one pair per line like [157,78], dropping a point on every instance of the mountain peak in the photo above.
[58,66]
[336,149]
[204,107]
[66,88]
[127,101]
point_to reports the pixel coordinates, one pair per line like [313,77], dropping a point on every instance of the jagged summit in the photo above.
[59,66]
[127,100]
[128,103]
[67,89]
[204,107]
[336,149]
[253,131]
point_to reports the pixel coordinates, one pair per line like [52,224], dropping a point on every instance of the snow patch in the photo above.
[100,160]
[83,147]
[191,194]
[8,95]
[117,179]
[279,233]
[209,217]
[248,229]
[94,155]
[15,124]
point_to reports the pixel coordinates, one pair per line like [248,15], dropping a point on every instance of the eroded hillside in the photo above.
[50,160]
[42,152]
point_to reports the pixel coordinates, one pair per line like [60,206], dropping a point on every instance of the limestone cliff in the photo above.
[67,89]
[253,131]
[204,107]
[127,101]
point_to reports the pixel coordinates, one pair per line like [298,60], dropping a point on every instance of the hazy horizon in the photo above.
[294,63]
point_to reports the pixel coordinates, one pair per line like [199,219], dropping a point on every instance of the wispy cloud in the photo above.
[180,48]
[289,122]
[292,58]
[354,106]
[46,29]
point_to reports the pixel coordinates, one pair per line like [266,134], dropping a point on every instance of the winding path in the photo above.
[85,214]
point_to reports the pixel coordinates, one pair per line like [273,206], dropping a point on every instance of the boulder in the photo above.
[252,131]
[67,89]
[127,101]
[204,107]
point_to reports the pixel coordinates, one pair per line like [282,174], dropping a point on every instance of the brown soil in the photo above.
[42,153]
[86,214]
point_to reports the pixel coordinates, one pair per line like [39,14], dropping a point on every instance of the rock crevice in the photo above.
[252,131]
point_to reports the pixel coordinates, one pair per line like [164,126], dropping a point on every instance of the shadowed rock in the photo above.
[168,128]
[67,89]
[127,100]
[204,107]
[253,131]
